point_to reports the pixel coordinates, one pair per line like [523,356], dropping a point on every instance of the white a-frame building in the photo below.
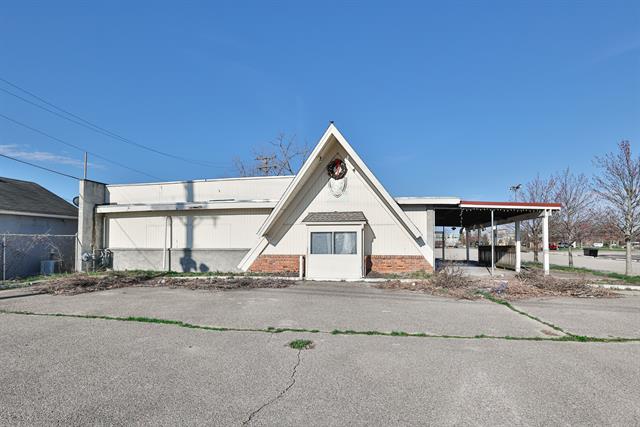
[333,220]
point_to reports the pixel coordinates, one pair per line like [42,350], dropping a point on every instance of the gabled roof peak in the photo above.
[298,181]
[331,133]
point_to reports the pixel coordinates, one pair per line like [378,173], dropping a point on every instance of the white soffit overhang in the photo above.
[510,205]
[427,200]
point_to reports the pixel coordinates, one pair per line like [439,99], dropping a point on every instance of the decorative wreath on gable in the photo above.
[337,169]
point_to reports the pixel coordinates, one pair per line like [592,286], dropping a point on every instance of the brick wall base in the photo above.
[385,264]
[284,264]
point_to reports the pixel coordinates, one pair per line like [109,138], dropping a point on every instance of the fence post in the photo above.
[4,258]
[75,253]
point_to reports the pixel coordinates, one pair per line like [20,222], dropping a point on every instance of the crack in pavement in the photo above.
[567,337]
[281,394]
[511,307]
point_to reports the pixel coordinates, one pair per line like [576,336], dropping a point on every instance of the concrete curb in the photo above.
[619,287]
[297,279]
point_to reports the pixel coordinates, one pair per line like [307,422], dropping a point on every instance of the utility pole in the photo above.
[515,189]
[266,164]
[85,165]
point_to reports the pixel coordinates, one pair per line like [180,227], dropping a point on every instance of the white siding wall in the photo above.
[383,235]
[215,230]
[199,191]
[418,215]
[423,216]
[136,232]
[237,229]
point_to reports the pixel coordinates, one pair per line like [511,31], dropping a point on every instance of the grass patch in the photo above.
[418,275]
[633,280]
[300,344]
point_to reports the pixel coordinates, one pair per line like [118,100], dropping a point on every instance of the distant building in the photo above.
[31,219]
[504,237]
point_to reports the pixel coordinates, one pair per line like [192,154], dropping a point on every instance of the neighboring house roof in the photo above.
[25,197]
[357,216]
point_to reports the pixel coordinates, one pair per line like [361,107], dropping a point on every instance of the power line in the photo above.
[93,127]
[39,167]
[77,147]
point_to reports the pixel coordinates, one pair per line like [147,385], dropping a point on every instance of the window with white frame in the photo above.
[334,242]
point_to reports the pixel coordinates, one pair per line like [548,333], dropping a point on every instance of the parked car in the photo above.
[598,245]
[563,245]
[553,247]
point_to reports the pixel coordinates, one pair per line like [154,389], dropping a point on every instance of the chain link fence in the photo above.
[24,255]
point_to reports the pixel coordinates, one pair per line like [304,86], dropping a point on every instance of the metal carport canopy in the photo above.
[478,213]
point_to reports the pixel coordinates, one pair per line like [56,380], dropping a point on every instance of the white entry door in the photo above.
[334,252]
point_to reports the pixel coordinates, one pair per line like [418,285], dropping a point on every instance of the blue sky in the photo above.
[439,98]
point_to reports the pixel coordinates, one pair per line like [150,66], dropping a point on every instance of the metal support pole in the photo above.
[466,238]
[443,243]
[479,233]
[518,248]
[545,242]
[493,244]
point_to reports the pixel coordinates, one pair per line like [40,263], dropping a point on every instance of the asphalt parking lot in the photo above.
[80,370]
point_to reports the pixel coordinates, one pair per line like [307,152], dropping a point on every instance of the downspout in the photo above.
[104,232]
[166,250]
[164,244]
[170,242]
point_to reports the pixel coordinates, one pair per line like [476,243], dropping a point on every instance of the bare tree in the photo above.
[538,190]
[618,185]
[575,195]
[283,157]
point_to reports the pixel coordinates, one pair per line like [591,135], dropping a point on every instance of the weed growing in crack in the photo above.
[507,304]
[300,344]
[274,330]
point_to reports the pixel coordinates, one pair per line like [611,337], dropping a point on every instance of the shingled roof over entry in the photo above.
[29,197]
[356,216]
